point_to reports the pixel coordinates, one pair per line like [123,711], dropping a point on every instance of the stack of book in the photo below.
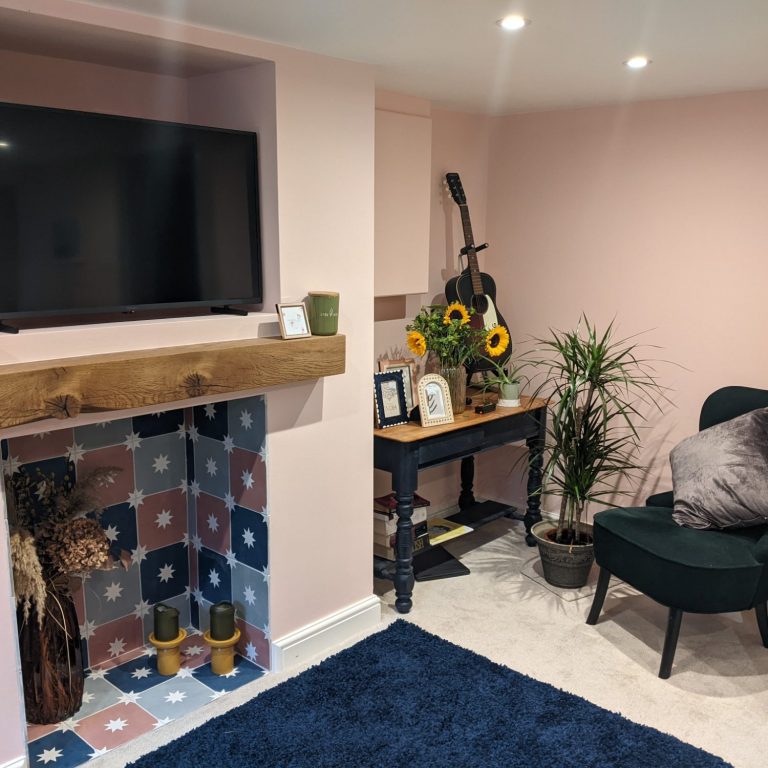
[385,525]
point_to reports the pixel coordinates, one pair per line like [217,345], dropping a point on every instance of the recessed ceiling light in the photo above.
[514,22]
[637,62]
[5,144]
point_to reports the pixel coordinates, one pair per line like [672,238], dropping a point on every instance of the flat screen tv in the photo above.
[112,214]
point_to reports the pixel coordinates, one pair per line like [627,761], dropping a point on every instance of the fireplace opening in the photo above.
[186,519]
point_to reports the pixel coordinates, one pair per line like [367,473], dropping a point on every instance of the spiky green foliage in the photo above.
[599,390]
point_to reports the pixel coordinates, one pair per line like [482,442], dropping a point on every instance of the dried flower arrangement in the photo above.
[55,534]
[51,537]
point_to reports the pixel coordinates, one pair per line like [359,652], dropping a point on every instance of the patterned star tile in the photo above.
[211,420]
[151,425]
[213,523]
[111,640]
[160,463]
[254,644]
[104,434]
[176,697]
[35,448]
[115,725]
[247,422]
[62,749]
[119,521]
[115,492]
[111,594]
[244,672]
[137,675]
[162,519]
[249,537]
[248,479]
[215,576]
[250,595]
[98,694]
[164,573]
[212,466]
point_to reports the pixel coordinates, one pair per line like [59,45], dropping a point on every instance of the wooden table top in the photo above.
[411,432]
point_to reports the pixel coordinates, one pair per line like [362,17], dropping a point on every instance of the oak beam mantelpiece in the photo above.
[104,383]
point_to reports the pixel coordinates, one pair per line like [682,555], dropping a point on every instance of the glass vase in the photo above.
[457,386]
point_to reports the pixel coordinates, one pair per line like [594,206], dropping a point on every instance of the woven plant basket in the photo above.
[51,660]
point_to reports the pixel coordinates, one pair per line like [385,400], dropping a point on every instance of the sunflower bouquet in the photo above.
[446,331]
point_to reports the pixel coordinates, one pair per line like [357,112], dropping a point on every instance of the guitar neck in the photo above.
[469,242]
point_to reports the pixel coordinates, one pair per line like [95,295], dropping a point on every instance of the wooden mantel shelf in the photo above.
[64,388]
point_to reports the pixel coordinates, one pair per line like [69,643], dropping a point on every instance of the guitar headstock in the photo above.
[455,188]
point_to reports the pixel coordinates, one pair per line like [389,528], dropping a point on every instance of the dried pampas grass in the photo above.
[28,581]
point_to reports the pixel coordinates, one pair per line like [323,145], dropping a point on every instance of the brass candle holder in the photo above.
[168,653]
[222,652]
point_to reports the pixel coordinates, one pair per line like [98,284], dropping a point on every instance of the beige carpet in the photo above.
[717,697]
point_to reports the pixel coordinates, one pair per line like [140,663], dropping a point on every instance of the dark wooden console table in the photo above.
[404,450]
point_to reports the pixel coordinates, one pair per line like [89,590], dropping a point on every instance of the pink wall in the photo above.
[653,213]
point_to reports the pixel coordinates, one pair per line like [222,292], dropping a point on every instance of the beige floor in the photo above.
[717,697]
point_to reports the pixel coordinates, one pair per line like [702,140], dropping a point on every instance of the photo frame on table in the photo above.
[389,399]
[434,401]
[294,323]
[408,367]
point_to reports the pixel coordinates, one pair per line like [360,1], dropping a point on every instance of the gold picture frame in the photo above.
[408,367]
[434,401]
[294,323]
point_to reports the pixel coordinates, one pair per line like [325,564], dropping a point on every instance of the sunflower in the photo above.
[456,311]
[417,343]
[496,341]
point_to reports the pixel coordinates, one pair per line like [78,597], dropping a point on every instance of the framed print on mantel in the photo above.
[408,368]
[293,321]
[389,399]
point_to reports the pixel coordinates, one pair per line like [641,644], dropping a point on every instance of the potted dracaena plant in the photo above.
[598,391]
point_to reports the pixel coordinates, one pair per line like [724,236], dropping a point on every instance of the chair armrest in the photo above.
[665,499]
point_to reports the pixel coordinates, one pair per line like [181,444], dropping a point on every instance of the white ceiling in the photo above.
[451,51]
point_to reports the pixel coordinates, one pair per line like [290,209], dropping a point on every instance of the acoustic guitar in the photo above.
[472,287]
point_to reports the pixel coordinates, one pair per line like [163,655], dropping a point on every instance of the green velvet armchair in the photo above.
[686,569]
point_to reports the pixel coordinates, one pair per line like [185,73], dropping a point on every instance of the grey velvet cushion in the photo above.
[720,475]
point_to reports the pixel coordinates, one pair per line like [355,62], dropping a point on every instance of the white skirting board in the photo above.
[19,762]
[321,636]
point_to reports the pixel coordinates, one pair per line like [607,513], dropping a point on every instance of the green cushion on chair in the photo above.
[694,570]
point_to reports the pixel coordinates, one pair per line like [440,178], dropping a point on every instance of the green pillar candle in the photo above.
[222,621]
[166,623]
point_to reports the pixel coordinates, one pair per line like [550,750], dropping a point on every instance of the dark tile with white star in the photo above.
[137,675]
[151,425]
[63,749]
[164,573]
[211,420]
[119,522]
[214,575]
[244,672]
[249,537]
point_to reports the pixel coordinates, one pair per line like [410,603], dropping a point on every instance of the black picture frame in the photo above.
[389,399]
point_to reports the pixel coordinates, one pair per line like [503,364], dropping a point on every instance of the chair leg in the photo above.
[670,642]
[761,611]
[600,592]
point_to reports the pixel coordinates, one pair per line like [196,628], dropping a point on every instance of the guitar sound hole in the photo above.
[480,303]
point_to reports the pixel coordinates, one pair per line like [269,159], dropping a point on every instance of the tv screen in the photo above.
[105,214]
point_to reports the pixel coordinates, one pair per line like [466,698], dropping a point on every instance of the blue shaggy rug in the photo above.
[403,697]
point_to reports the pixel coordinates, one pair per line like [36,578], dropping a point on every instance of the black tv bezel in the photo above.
[137,309]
